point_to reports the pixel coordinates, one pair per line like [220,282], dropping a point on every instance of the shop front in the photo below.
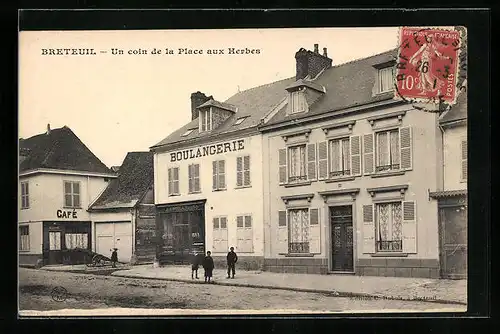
[180,231]
[66,242]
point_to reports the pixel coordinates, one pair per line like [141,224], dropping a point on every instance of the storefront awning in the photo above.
[447,193]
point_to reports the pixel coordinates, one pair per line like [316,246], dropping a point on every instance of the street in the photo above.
[83,291]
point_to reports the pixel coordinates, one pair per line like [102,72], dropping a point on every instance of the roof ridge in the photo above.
[364,58]
[260,86]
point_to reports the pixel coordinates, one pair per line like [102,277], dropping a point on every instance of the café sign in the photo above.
[66,214]
[235,145]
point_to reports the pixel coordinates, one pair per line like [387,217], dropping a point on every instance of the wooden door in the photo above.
[453,241]
[341,237]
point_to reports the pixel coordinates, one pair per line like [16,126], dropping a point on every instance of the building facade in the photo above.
[347,174]
[58,179]
[123,216]
[451,193]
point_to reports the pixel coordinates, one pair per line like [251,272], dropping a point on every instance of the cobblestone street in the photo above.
[105,292]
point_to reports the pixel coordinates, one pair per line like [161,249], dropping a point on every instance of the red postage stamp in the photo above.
[427,64]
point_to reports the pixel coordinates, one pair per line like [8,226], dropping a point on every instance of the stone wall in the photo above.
[297,265]
[423,268]
[244,262]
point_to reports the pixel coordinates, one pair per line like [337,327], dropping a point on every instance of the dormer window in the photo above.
[206,120]
[297,102]
[385,79]
[240,120]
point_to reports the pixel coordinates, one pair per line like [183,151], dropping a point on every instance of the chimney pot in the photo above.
[48,128]
[316,48]
[325,54]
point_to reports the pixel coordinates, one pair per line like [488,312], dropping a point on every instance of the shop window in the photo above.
[24,238]
[54,240]
[76,240]
[72,194]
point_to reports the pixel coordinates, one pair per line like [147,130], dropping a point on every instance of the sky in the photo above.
[129,102]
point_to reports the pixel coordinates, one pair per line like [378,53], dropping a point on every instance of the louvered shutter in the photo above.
[170,187]
[190,177]
[409,227]
[405,140]
[222,174]
[196,171]
[282,165]
[355,155]
[368,154]
[176,180]
[216,234]
[464,159]
[239,171]
[214,175]
[282,245]
[314,231]
[311,162]
[223,234]
[322,160]
[246,170]
[248,234]
[240,237]
[368,229]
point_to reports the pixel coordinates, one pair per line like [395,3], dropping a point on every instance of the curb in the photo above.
[324,292]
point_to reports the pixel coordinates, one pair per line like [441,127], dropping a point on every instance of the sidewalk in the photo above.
[402,288]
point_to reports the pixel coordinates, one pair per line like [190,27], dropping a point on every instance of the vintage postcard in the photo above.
[251,171]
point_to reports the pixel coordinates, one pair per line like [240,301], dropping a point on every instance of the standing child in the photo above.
[232,258]
[208,265]
[114,257]
[195,263]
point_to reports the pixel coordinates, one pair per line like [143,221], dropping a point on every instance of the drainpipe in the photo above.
[442,155]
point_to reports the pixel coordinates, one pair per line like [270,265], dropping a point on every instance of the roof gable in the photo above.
[457,112]
[59,149]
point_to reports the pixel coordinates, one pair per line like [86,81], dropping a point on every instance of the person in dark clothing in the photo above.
[195,263]
[208,265]
[114,257]
[232,258]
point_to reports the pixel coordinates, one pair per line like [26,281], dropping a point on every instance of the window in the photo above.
[244,233]
[206,120]
[243,171]
[54,240]
[388,151]
[24,238]
[194,178]
[464,160]
[219,174]
[25,195]
[220,234]
[298,231]
[297,102]
[340,157]
[173,181]
[71,194]
[187,133]
[297,164]
[389,227]
[240,120]
[76,240]
[385,79]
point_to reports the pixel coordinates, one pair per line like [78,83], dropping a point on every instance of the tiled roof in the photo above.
[59,149]
[134,179]
[457,112]
[448,193]
[347,85]
[255,102]
[222,105]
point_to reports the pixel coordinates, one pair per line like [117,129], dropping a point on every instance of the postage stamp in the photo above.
[428,65]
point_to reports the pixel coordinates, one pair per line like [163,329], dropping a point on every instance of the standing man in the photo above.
[208,265]
[232,258]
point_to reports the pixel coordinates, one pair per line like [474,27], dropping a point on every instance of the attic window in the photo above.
[385,79]
[206,120]
[188,132]
[240,120]
[297,102]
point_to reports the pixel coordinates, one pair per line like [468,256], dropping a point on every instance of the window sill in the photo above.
[194,192]
[339,179]
[297,184]
[25,208]
[173,195]
[389,254]
[390,173]
[216,190]
[243,187]
[72,207]
[298,254]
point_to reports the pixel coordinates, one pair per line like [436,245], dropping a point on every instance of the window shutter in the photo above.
[223,234]
[355,155]
[311,162]
[368,230]
[282,233]
[464,160]
[246,170]
[176,180]
[239,171]
[282,165]
[322,160]
[216,234]
[214,175]
[190,177]
[170,188]
[405,142]
[196,172]
[248,234]
[409,227]
[314,232]
[368,154]
[240,240]
[222,174]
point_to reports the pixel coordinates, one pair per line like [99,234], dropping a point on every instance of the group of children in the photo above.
[208,265]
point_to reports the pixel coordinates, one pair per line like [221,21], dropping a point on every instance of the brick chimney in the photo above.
[197,99]
[311,63]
